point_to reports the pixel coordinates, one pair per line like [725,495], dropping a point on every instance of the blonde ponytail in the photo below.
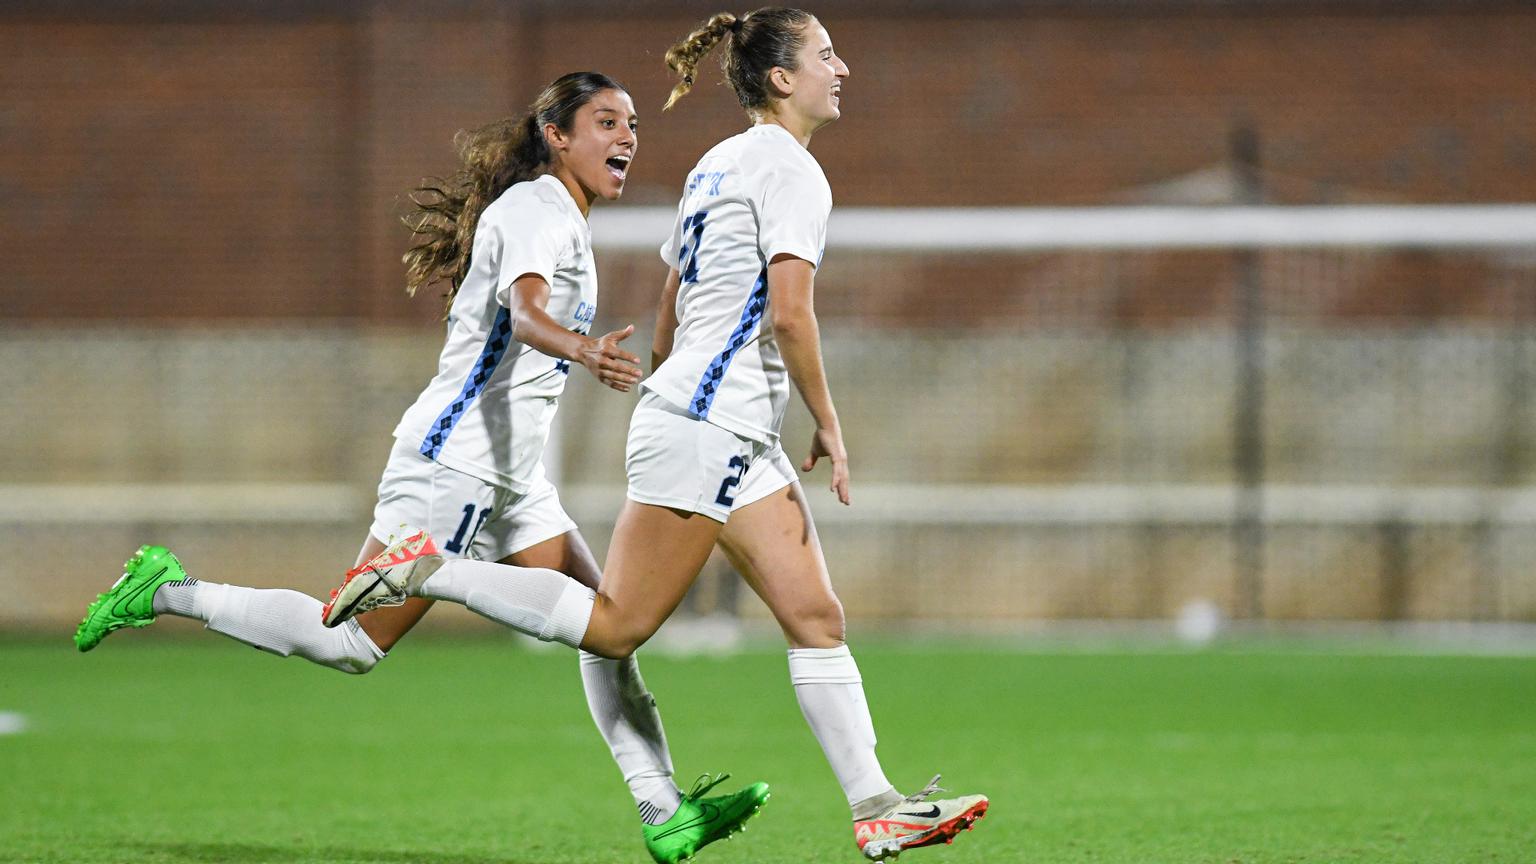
[756,43]
[684,57]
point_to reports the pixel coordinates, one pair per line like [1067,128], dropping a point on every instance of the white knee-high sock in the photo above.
[278,621]
[831,695]
[545,604]
[626,715]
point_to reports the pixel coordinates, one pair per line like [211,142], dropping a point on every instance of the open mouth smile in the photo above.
[618,166]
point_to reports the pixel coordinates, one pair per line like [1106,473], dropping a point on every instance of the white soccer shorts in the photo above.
[468,517]
[676,461]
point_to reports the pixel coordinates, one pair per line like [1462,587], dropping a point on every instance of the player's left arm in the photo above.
[791,283]
[533,326]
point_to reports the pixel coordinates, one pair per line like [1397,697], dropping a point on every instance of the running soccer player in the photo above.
[509,232]
[735,326]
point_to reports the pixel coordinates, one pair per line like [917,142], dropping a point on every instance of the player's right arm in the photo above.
[666,320]
[533,326]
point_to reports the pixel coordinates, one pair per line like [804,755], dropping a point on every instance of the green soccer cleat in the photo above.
[130,602]
[701,821]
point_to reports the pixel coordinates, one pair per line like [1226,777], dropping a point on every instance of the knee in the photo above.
[616,633]
[352,663]
[618,644]
[818,624]
[351,651]
[359,665]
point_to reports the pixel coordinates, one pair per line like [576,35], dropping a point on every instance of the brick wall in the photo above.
[173,162]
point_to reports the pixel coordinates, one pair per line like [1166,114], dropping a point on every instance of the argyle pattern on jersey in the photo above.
[751,314]
[496,345]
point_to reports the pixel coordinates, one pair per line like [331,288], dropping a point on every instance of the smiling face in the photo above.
[814,91]
[594,156]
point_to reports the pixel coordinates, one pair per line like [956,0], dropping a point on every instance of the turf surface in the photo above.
[163,749]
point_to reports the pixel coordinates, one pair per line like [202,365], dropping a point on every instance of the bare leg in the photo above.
[567,553]
[622,708]
[773,543]
[655,556]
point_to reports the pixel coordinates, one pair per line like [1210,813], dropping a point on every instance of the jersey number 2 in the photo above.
[688,261]
[726,498]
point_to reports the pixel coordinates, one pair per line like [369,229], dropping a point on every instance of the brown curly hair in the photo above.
[492,158]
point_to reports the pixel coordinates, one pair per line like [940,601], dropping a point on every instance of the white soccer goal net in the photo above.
[1289,412]
[1292,412]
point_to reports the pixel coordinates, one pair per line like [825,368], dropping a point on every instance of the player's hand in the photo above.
[828,444]
[611,364]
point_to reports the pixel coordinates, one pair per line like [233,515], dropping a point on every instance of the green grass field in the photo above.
[162,749]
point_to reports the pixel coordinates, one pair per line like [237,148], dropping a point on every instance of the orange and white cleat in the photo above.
[386,579]
[916,821]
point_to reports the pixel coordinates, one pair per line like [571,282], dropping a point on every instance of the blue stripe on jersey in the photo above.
[709,385]
[496,345]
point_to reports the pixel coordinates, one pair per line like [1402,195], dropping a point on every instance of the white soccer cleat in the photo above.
[916,822]
[385,579]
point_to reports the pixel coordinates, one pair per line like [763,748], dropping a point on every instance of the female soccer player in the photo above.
[509,232]
[735,326]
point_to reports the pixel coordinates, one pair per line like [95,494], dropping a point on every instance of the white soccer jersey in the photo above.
[488,410]
[753,196]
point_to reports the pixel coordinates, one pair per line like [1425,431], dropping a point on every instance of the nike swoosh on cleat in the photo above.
[707,812]
[120,606]
[353,605]
[932,813]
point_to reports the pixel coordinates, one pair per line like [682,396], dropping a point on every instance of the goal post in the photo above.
[1344,383]
[1027,229]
